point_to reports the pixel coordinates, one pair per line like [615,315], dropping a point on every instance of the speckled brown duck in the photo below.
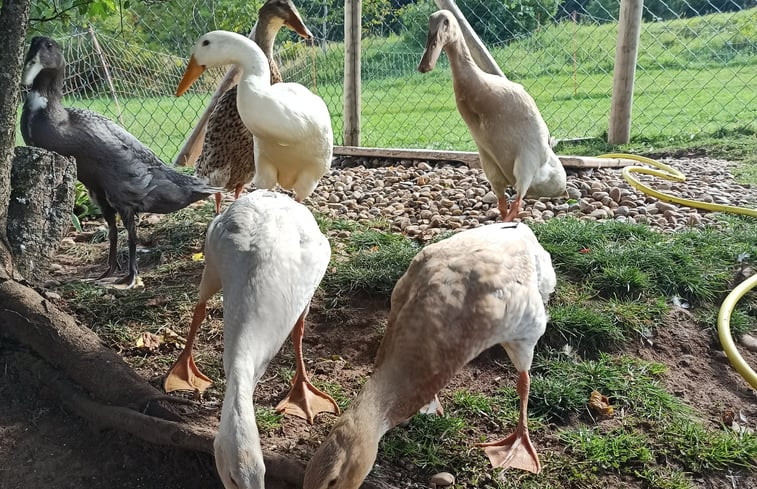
[227,158]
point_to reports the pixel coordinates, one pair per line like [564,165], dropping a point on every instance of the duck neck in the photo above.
[368,415]
[253,63]
[265,30]
[465,70]
[47,88]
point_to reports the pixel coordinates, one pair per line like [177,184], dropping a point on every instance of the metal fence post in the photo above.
[352,32]
[629,29]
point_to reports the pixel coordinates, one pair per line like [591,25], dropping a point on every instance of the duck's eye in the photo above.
[332,482]
[49,44]
[205,42]
[446,23]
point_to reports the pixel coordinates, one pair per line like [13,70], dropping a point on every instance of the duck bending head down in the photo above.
[459,296]
[512,138]
[291,126]
[268,255]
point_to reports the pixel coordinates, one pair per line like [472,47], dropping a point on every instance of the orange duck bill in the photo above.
[191,74]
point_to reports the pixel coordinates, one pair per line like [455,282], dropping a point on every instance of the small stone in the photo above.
[540,206]
[490,198]
[424,166]
[615,194]
[598,214]
[442,479]
[621,211]
[68,241]
[574,193]
[694,219]
[585,205]
[664,206]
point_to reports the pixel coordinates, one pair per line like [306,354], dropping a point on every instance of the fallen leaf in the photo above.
[149,341]
[600,404]
[728,417]
[198,257]
[172,338]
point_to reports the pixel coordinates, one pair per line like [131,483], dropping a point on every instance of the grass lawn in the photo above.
[616,284]
[696,79]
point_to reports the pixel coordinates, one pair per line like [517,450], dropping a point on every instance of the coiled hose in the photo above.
[726,308]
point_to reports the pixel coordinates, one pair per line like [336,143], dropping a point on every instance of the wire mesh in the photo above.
[696,70]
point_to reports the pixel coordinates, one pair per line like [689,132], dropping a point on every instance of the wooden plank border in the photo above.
[470,158]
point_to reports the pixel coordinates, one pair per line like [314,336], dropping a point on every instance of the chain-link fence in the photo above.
[696,72]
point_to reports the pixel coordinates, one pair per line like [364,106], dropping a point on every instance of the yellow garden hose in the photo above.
[724,316]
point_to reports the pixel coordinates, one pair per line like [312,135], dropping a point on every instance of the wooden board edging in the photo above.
[470,158]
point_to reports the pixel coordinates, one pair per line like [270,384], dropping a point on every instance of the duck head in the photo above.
[44,55]
[218,48]
[344,459]
[442,29]
[239,458]
[276,13]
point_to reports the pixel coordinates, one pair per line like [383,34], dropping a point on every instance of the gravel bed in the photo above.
[422,199]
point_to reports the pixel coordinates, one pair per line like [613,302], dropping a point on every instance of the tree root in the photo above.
[116,398]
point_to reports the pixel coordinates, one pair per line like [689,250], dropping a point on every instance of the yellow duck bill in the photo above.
[191,74]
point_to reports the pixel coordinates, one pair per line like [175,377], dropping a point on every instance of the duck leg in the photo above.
[218,202]
[514,210]
[516,450]
[110,218]
[131,232]
[238,191]
[184,374]
[304,400]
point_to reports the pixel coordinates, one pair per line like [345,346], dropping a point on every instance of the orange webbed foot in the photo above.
[185,376]
[514,451]
[306,401]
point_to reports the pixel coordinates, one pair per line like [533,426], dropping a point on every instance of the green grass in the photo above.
[694,88]
[376,263]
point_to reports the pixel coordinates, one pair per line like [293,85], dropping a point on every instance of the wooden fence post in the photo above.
[352,32]
[629,29]
[481,55]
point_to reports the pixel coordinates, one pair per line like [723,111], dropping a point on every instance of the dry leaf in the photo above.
[171,338]
[728,417]
[198,257]
[149,342]
[600,404]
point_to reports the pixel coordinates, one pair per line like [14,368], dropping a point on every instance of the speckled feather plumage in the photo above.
[227,159]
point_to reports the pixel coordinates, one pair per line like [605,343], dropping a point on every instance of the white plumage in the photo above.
[291,125]
[268,255]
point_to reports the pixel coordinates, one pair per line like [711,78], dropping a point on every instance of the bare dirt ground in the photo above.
[42,445]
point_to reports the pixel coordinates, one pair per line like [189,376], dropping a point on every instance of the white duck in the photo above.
[227,150]
[458,297]
[268,255]
[291,126]
[512,139]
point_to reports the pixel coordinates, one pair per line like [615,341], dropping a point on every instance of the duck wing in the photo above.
[227,152]
[128,173]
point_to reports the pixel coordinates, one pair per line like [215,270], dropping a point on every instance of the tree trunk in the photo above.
[39,212]
[14,16]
